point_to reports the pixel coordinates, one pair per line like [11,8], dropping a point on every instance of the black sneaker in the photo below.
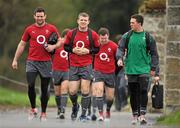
[74,113]
[93,117]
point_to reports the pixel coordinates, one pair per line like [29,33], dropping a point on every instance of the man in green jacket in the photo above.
[140,63]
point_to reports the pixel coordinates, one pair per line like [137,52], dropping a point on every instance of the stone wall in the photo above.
[155,24]
[172,75]
[165,27]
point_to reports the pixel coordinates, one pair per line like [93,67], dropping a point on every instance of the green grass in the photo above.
[9,97]
[171,119]
[13,98]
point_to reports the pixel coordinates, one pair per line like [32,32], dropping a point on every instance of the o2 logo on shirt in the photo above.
[80,44]
[41,39]
[104,57]
[109,49]
[64,54]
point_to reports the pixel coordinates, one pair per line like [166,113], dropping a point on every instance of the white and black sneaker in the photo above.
[101,116]
[134,120]
[142,120]
[61,115]
[58,113]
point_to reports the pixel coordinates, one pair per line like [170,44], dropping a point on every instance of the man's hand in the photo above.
[156,79]
[50,47]
[80,51]
[14,64]
[76,50]
[84,51]
[120,63]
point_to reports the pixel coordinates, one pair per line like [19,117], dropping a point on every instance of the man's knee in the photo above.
[110,97]
[72,92]
[85,91]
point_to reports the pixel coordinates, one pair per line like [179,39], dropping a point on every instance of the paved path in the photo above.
[18,119]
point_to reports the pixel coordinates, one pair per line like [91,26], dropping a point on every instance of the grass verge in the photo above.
[12,98]
[171,119]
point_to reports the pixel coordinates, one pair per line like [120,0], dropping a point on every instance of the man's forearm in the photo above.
[58,44]
[20,49]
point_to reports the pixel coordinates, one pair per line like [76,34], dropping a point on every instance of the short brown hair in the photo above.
[103,31]
[83,14]
[139,18]
[39,9]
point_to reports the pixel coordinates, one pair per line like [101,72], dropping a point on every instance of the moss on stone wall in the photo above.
[150,6]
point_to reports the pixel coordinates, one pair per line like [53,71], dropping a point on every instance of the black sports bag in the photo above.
[157,96]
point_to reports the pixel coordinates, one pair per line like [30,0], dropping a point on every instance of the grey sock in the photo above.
[94,104]
[63,102]
[100,102]
[85,100]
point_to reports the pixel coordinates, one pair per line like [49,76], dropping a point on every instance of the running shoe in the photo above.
[43,116]
[134,120]
[74,113]
[83,118]
[88,117]
[101,117]
[108,114]
[93,117]
[58,113]
[61,116]
[89,114]
[142,120]
[32,113]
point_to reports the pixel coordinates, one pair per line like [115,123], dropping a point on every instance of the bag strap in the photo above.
[127,39]
[71,42]
[91,41]
[147,36]
[72,37]
[90,38]
[89,35]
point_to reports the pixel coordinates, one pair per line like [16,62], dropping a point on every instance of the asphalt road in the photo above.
[18,119]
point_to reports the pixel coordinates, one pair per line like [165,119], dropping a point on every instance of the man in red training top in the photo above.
[60,68]
[38,60]
[104,73]
[80,55]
